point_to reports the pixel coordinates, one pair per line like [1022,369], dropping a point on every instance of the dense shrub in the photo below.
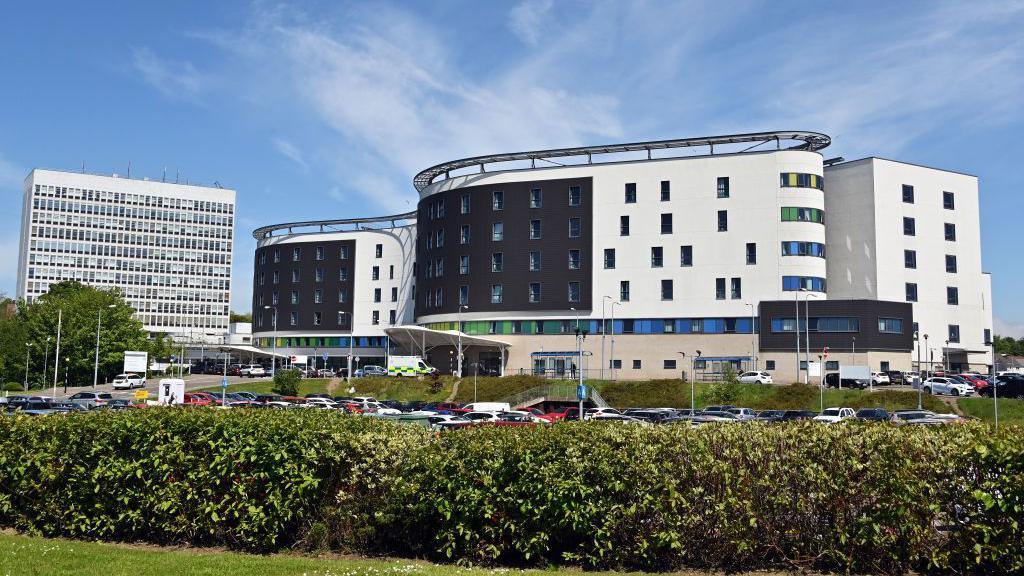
[855,498]
[14,387]
[286,382]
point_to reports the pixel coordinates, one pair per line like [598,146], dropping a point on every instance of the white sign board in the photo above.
[855,372]
[136,361]
[300,359]
[814,369]
[171,391]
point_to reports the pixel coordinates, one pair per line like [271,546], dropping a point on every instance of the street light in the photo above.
[46,358]
[614,304]
[273,319]
[458,360]
[693,378]
[807,335]
[925,357]
[28,348]
[753,349]
[604,330]
[945,356]
[351,337]
[96,361]
[796,303]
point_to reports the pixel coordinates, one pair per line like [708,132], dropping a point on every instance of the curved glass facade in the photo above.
[801,180]
[797,214]
[811,283]
[796,248]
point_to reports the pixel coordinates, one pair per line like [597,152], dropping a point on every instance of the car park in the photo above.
[256,372]
[91,399]
[743,413]
[872,415]
[1008,385]
[128,381]
[481,416]
[940,385]
[755,378]
[833,415]
[832,380]
[896,377]
[880,378]
[374,370]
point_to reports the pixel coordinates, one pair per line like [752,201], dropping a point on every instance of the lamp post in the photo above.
[96,360]
[458,361]
[920,383]
[351,337]
[46,358]
[807,335]
[693,378]
[753,349]
[926,357]
[56,359]
[581,335]
[945,357]
[614,304]
[67,364]
[273,320]
[604,331]
[28,348]
[796,303]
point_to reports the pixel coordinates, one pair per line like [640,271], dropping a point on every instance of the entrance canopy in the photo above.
[248,350]
[418,338]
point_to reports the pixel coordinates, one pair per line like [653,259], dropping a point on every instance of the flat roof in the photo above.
[123,177]
[867,158]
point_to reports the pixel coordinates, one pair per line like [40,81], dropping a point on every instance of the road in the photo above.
[192,382]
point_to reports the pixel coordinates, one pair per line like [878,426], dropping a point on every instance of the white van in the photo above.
[408,366]
[488,407]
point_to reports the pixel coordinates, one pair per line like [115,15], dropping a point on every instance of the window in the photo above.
[391,272]
[723,187]
[463,295]
[535,198]
[295,296]
[686,255]
[464,204]
[909,228]
[295,275]
[656,257]
[631,193]
[954,333]
[535,261]
[440,238]
[438,298]
[376,317]
[666,191]
[497,262]
[277,256]
[463,265]
[666,223]
[810,283]
[343,253]
[574,291]
[908,193]
[296,254]
[575,227]
[534,229]
[615,364]
[318,297]
[910,259]
[534,292]
[950,232]
[439,267]
[769,365]
[319,252]
[342,295]
[952,295]
[394,293]
[379,249]
[988,337]
[574,259]
[464,234]
[890,326]
[723,220]
[497,231]
[318,275]
[951,263]
[797,180]
[392,316]
[947,200]
[574,195]
[623,225]
[341,318]
[274,298]
[719,288]
[666,290]
[751,253]
[911,289]
[609,258]
[440,208]
[263,279]
[375,273]
[636,364]
[497,200]
[496,293]
[832,365]
[797,214]
[624,291]
[736,288]
[815,249]
[293,318]
[376,294]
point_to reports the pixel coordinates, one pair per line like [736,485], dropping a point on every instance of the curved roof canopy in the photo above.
[326,225]
[811,141]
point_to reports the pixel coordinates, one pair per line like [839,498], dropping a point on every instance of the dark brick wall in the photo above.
[866,311]
[307,265]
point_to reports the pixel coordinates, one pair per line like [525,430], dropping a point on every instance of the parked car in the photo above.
[880,378]
[976,380]
[537,412]
[770,415]
[872,414]
[913,379]
[919,417]
[715,416]
[755,378]
[833,415]
[256,372]
[128,381]
[91,399]
[592,412]
[235,370]
[723,408]
[947,385]
[743,413]
[1006,386]
[321,403]
[325,373]
[481,416]
[374,370]
[832,381]
[447,422]
[896,377]
[196,399]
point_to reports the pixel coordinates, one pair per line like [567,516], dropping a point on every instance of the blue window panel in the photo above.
[643,327]
[617,327]
[682,326]
[714,326]
[743,325]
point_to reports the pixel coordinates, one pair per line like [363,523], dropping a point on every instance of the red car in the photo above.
[197,399]
[550,417]
[570,413]
[978,381]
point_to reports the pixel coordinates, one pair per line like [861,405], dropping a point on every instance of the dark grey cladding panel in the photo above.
[307,284]
[867,313]
[516,215]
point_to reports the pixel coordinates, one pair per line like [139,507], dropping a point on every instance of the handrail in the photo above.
[267,231]
[560,392]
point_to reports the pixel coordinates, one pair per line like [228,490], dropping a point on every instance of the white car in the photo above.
[376,408]
[879,378]
[481,416]
[256,372]
[594,412]
[941,385]
[743,413]
[128,381]
[913,379]
[755,378]
[833,415]
[321,403]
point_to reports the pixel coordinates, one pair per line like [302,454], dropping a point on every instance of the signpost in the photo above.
[136,362]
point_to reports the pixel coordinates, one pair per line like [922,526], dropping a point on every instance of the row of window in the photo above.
[948,199]
[834,324]
[323,342]
[319,274]
[800,180]
[121,211]
[620,326]
[124,224]
[436,208]
[910,261]
[318,296]
[498,294]
[952,294]
[43,190]
[797,214]
[319,253]
[318,319]
[190,242]
[135,279]
[910,229]
[809,283]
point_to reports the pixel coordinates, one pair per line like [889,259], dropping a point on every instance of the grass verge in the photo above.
[1010,411]
[402,389]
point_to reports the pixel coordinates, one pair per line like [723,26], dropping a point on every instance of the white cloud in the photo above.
[1008,328]
[528,19]
[176,80]
[291,152]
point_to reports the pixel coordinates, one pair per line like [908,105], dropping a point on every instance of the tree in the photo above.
[80,308]
[286,382]
[240,317]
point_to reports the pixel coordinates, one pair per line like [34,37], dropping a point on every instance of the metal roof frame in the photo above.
[267,231]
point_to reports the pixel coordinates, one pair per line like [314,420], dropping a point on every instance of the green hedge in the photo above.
[858,498]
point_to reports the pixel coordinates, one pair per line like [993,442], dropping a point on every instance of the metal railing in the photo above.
[559,392]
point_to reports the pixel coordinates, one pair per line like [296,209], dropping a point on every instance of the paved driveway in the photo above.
[192,382]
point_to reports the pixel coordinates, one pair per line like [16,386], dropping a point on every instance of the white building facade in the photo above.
[166,247]
[904,232]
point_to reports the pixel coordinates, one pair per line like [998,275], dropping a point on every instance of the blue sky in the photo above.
[314,110]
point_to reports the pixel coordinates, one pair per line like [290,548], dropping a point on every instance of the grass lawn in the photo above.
[25,555]
[1010,411]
